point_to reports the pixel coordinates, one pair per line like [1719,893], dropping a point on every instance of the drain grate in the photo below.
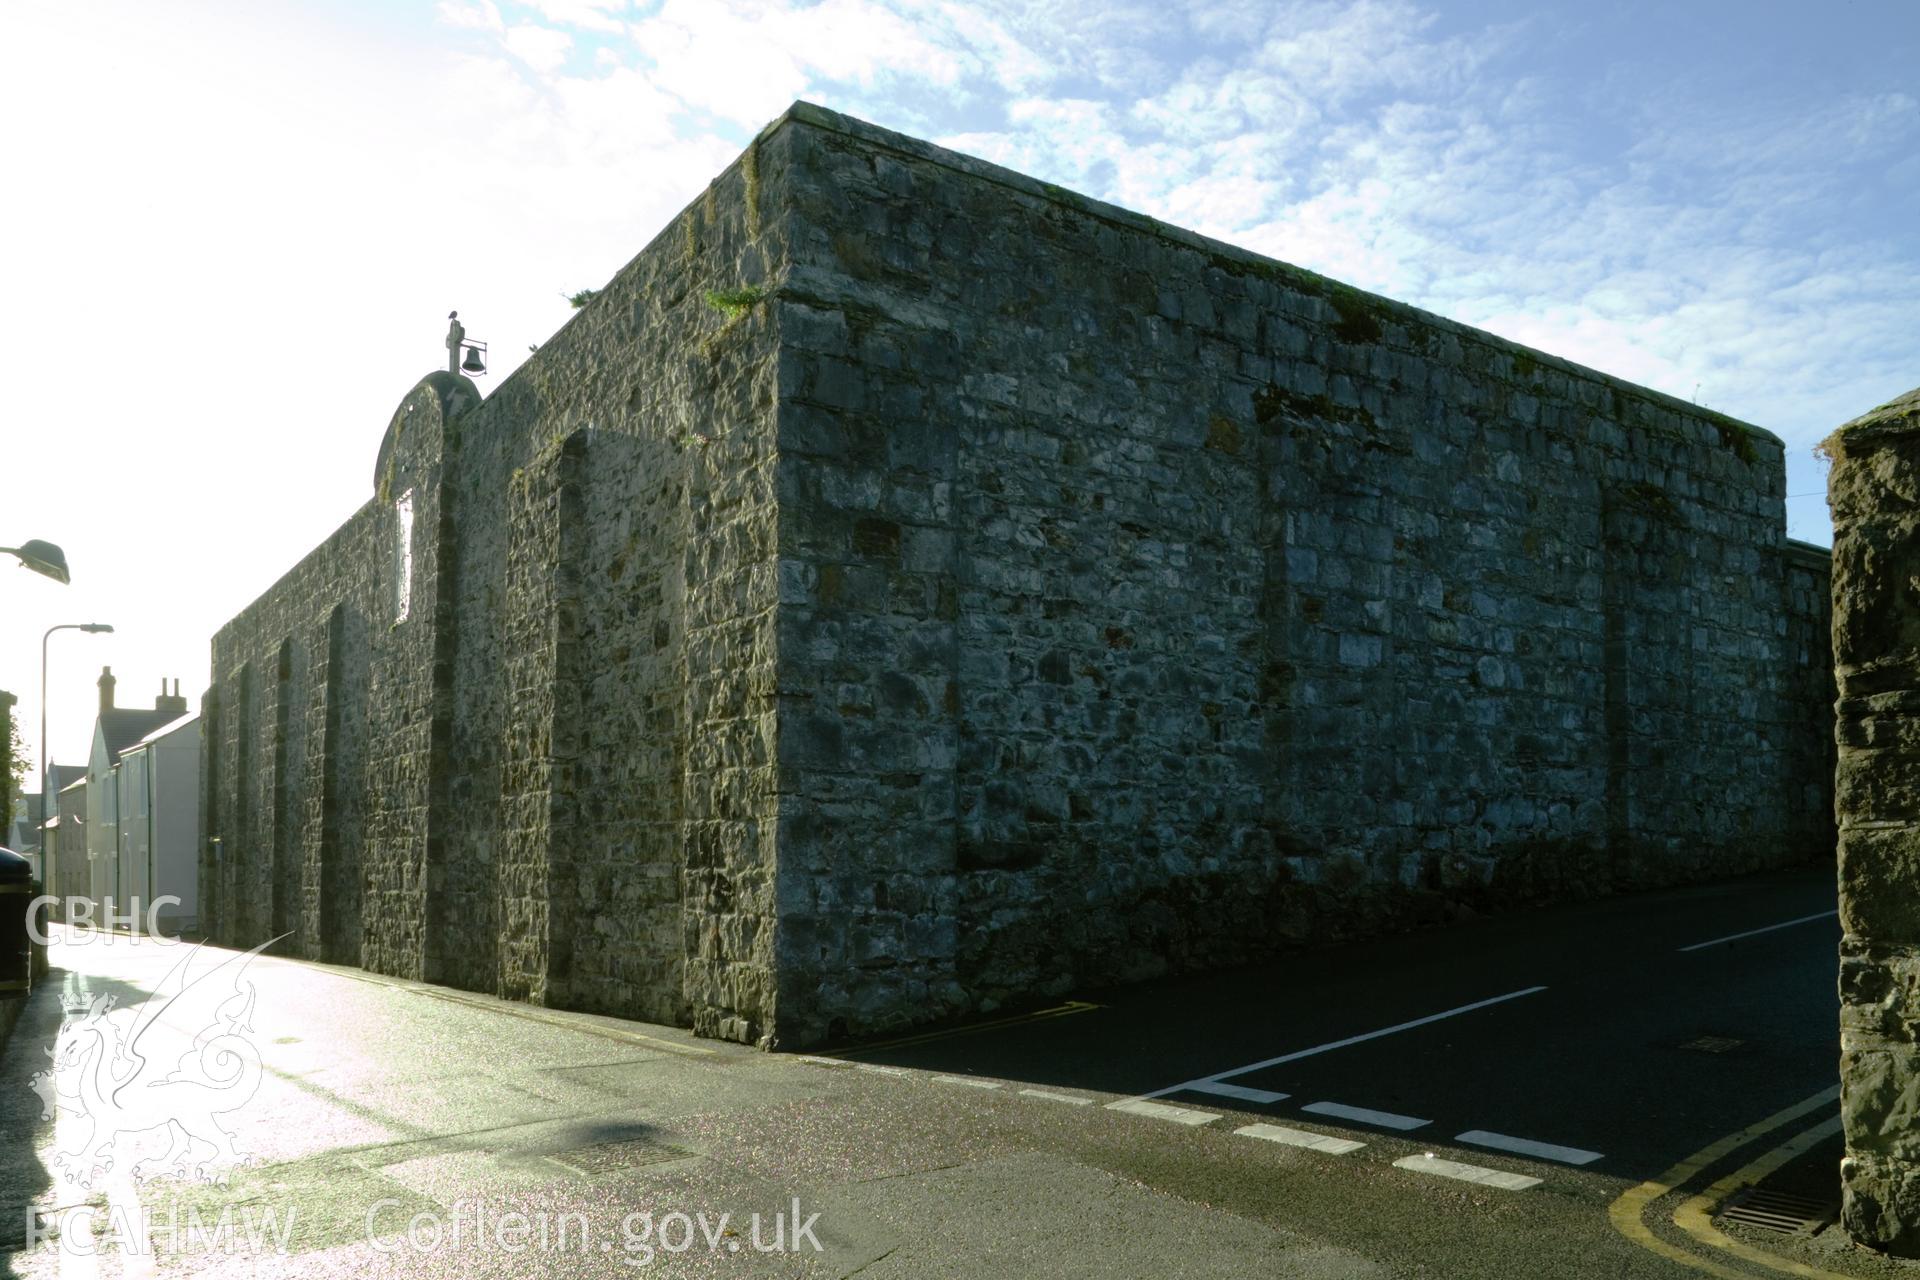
[609,1157]
[1778,1211]
[1713,1044]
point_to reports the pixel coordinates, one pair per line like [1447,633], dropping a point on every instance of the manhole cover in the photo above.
[1713,1044]
[608,1157]
[1778,1211]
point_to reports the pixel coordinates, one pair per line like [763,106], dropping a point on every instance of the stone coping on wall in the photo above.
[1809,555]
[1300,277]
[1308,281]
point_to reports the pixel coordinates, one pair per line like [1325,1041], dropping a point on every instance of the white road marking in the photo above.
[823,1062]
[1365,1115]
[1301,1138]
[1236,1091]
[972,1082]
[1331,1045]
[1466,1172]
[1051,1096]
[1161,1111]
[1784,924]
[1527,1147]
[879,1070]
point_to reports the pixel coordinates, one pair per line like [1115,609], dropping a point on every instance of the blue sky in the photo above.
[237,227]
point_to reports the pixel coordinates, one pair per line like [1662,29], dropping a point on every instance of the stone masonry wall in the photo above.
[1809,694]
[1874,492]
[553,777]
[907,588]
[344,576]
[614,670]
[1147,603]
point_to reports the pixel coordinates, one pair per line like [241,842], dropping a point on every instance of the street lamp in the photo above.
[41,557]
[92,629]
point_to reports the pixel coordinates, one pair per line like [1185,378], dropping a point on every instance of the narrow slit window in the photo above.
[403,556]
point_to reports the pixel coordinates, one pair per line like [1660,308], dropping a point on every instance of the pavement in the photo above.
[1571,1092]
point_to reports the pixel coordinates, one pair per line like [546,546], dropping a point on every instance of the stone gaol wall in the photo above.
[511,728]
[908,587]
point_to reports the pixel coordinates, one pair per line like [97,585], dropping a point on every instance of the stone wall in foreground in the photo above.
[1874,491]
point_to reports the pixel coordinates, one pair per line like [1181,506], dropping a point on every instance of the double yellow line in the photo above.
[1695,1215]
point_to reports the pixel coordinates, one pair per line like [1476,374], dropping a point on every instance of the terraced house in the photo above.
[908,588]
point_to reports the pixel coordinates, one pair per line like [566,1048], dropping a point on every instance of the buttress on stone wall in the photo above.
[1001,592]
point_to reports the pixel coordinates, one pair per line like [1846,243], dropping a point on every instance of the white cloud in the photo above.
[279,206]
[588,15]
[542,48]
[477,15]
[744,62]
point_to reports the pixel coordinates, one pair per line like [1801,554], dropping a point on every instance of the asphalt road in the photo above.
[1101,1137]
[1621,1046]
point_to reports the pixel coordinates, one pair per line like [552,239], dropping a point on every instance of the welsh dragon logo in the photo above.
[119,1072]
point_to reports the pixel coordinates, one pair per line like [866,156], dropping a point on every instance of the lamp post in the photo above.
[42,558]
[92,629]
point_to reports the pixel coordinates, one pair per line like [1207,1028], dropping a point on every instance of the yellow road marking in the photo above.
[1014,1020]
[1695,1217]
[1628,1212]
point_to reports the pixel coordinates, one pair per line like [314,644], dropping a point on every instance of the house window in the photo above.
[403,556]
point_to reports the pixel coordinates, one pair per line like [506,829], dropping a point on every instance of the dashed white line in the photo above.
[1301,1138]
[1784,924]
[1466,1172]
[879,1070]
[1161,1111]
[823,1062]
[1365,1115]
[972,1082]
[1331,1045]
[1051,1096]
[1240,1091]
[1527,1147]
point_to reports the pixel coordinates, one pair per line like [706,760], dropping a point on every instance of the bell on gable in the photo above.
[473,363]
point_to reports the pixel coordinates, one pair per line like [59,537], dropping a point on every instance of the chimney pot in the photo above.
[171,703]
[106,683]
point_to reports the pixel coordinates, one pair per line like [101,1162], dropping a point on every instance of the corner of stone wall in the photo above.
[735,244]
[868,734]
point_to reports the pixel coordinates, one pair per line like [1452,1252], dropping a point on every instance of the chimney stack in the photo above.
[106,689]
[171,703]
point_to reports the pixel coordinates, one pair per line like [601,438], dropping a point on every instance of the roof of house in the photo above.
[65,775]
[172,726]
[122,727]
